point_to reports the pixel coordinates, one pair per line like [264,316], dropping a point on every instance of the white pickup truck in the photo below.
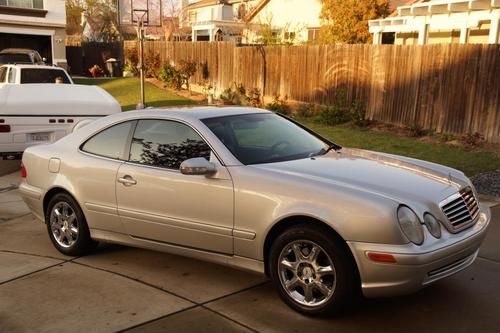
[32,114]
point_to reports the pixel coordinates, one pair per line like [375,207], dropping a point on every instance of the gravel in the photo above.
[487,183]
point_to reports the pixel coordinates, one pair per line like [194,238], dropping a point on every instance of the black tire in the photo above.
[80,244]
[345,289]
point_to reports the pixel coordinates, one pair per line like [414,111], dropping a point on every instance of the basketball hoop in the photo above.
[128,10]
[141,13]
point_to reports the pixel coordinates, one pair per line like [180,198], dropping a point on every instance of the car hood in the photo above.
[401,179]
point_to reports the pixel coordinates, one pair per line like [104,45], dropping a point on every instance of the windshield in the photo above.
[15,59]
[43,75]
[264,138]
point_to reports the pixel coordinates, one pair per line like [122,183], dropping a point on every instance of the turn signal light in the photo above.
[24,173]
[4,128]
[382,257]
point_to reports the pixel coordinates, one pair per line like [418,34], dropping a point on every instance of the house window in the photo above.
[289,35]
[313,34]
[32,4]
[192,16]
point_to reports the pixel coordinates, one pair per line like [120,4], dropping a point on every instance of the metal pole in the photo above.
[140,34]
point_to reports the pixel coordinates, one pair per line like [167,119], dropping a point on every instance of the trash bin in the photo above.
[114,67]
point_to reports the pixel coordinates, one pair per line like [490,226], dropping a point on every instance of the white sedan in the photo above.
[257,191]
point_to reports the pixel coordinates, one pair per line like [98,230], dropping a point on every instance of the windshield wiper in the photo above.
[324,151]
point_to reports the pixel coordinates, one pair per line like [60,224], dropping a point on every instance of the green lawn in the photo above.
[469,162]
[127,92]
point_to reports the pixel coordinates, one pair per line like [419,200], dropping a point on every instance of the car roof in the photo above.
[14,50]
[31,66]
[191,113]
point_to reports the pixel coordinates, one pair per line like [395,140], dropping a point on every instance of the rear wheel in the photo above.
[312,271]
[67,226]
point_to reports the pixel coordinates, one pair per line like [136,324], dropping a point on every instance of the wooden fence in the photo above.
[448,88]
[82,56]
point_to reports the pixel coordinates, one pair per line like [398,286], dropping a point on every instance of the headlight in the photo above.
[410,224]
[432,225]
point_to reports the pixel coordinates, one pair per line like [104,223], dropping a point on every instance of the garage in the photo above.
[43,44]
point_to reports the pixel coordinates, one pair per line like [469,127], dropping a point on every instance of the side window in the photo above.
[12,75]
[166,144]
[3,73]
[111,142]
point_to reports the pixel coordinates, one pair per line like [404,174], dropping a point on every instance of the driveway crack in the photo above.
[8,188]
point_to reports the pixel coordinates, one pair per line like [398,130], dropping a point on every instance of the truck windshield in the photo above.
[15,59]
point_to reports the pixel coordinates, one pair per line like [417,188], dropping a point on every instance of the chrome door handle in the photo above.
[127,181]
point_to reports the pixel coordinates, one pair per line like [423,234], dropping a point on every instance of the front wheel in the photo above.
[67,226]
[312,271]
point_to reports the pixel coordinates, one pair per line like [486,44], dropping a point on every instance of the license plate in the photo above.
[40,137]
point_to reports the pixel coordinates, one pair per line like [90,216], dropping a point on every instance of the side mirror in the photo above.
[197,166]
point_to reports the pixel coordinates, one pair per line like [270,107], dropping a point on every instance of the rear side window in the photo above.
[7,58]
[166,144]
[43,75]
[112,142]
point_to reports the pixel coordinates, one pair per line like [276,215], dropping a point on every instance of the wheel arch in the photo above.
[291,221]
[51,193]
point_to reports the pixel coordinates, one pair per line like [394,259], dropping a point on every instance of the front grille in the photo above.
[461,209]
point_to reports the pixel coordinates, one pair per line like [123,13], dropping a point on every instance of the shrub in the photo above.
[334,115]
[152,64]
[473,139]
[186,70]
[132,57]
[236,95]
[176,77]
[279,105]
[170,76]
[255,98]
[417,131]
[306,110]
[358,114]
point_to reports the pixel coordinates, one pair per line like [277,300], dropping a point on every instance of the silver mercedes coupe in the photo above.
[255,190]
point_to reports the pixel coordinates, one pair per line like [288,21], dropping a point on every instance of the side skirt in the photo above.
[237,262]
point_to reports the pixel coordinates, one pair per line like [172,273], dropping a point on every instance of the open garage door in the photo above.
[42,44]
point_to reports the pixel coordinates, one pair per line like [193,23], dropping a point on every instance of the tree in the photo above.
[102,20]
[346,21]
[74,10]
[171,17]
[99,19]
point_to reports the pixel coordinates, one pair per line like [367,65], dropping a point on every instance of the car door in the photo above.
[96,170]
[157,202]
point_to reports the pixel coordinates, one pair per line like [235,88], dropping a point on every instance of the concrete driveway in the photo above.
[124,289]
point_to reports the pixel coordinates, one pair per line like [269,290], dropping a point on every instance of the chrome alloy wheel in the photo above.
[64,224]
[307,273]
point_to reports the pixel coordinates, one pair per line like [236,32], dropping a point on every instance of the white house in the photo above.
[35,24]
[240,20]
[441,21]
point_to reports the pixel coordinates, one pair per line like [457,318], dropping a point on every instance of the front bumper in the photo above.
[417,266]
